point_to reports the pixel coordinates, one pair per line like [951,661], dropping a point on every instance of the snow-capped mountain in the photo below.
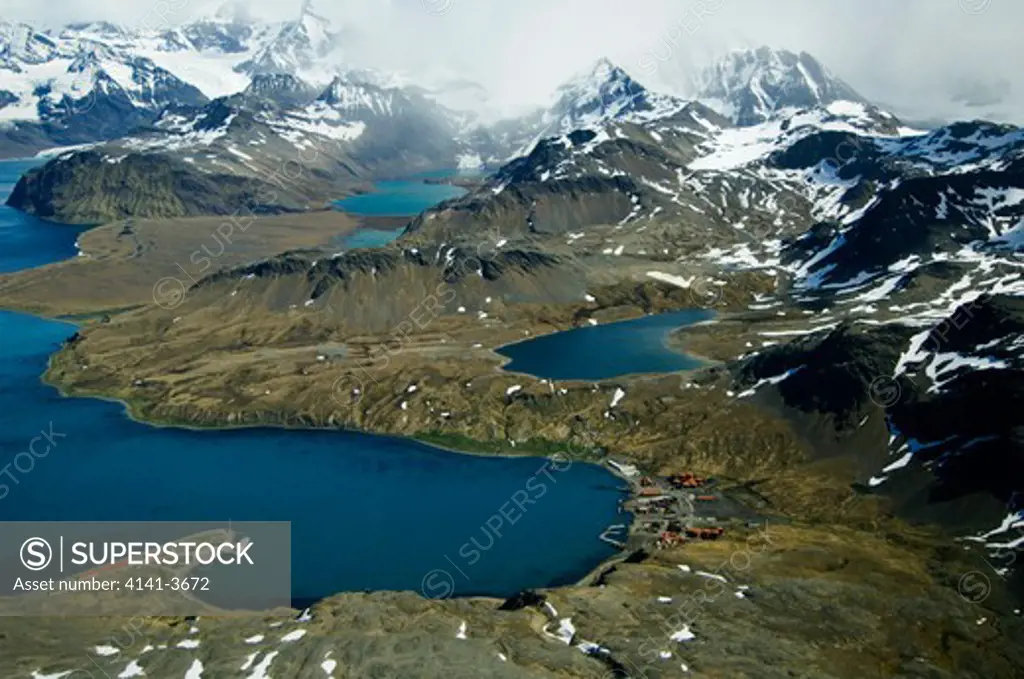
[203,54]
[361,99]
[55,91]
[277,90]
[681,160]
[748,86]
[298,47]
[888,194]
[211,35]
[21,44]
[864,204]
[344,135]
[219,56]
[88,82]
[600,94]
[606,92]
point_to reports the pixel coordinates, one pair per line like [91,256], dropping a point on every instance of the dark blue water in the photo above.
[367,512]
[399,198]
[606,351]
[26,241]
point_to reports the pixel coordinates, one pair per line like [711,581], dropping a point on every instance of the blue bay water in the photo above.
[395,198]
[399,198]
[606,351]
[26,241]
[367,512]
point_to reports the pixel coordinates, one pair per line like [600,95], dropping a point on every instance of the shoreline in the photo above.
[626,491]
[625,494]
[703,361]
[131,414]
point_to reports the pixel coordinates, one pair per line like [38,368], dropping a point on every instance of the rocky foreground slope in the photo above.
[790,601]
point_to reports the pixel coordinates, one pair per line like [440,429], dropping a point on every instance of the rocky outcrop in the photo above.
[954,414]
[941,393]
[830,372]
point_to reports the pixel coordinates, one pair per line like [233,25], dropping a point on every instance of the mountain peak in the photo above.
[600,94]
[298,45]
[358,98]
[749,85]
[271,90]
[602,71]
[597,87]
[106,28]
[316,26]
[604,68]
[605,92]
[20,42]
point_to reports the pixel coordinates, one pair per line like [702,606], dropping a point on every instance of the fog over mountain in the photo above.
[925,59]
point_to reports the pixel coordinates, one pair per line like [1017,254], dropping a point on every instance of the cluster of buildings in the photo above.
[668,510]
